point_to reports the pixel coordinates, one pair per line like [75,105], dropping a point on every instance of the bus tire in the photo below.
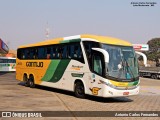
[154,76]
[26,82]
[31,82]
[79,90]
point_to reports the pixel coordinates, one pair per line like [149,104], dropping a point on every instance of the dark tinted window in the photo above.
[7,61]
[42,53]
[88,45]
[97,64]
[62,51]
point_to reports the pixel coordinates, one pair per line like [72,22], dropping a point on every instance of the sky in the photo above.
[25,21]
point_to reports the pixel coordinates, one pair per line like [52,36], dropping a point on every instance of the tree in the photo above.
[154,44]
[154,49]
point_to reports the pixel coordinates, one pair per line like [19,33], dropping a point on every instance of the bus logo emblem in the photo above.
[95,90]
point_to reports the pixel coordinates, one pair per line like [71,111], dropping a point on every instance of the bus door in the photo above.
[98,71]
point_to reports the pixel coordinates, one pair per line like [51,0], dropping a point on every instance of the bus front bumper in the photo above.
[111,92]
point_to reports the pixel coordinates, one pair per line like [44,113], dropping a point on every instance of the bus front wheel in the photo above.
[79,90]
[31,82]
[154,76]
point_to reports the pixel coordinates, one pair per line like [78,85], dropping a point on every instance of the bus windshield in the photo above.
[122,63]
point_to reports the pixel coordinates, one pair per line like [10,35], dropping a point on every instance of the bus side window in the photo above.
[27,54]
[53,52]
[64,51]
[76,52]
[48,53]
[59,52]
[97,64]
[31,53]
[88,47]
[68,51]
[41,53]
[56,52]
[72,51]
[36,53]
[80,55]
[88,50]
[22,54]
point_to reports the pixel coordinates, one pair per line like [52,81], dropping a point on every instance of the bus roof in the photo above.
[101,39]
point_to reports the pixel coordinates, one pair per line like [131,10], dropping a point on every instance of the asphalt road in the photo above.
[14,96]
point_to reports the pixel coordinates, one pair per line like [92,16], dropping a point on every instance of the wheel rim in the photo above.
[31,82]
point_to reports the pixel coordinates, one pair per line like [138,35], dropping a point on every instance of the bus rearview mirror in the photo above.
[104,52]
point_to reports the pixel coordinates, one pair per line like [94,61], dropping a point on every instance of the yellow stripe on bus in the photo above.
[119,84]
[107,40]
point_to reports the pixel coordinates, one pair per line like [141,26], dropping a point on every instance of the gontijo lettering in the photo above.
[34,64]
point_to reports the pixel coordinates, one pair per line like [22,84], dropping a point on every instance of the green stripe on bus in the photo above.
[55,70]
[133,83]
[51,70]
[69,41]
[60,70]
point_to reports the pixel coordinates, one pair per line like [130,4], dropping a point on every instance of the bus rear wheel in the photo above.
[31,82]
[79,90]
[26,82]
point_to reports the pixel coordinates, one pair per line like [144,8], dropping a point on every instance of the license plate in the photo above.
[126,93]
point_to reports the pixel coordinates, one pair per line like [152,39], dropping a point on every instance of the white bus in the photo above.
[7,64]
[84,64]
